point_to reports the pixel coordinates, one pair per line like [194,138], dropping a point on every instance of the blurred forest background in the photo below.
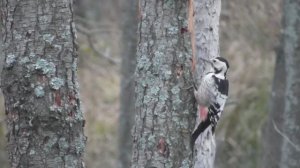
[249,36]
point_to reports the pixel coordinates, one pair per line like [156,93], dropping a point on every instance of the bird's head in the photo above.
[219,64]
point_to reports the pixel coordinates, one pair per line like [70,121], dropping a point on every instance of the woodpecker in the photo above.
[211,95]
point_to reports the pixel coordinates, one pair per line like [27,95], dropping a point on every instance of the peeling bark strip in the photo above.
[39,83]
[191,28]
[163,103]
[204,16]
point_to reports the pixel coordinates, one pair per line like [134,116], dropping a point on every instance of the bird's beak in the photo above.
[206,60]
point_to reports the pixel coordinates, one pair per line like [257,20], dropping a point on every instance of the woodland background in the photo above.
[249,37]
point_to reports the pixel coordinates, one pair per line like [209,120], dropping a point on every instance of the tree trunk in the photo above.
[164,98]
[272,140]
[290,149]
[129,41]
[204,27]
[44,119]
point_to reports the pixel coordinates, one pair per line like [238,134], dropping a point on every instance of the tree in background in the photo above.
[272,140]
[282,144]
[39,83]
[164,101]
[129,41]
[291,49]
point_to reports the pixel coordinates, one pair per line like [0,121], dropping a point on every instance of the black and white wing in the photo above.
[215,109]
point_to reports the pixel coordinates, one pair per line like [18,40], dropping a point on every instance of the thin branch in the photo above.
[79,19]
[104,55]
[285,137]
[84,30]
[89,35]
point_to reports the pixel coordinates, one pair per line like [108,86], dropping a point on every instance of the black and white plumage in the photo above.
[211,95]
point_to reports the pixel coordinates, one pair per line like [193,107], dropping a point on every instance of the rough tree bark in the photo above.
[204,27]
[164,98]
[290,149]
[44,119]
[129,41]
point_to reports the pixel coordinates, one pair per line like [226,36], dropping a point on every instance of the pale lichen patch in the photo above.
[56,83]
[63,144]
[55,108]
[32,152]
[154,90]
[45,66]
[17,35]
[70,161]
[143,62]
[32,55]
[48,38]
[80,144]
[172,30]
[168,74]
[39,91]
[24,60]
[175,90]
[163,96]
[51,141]
[10,60]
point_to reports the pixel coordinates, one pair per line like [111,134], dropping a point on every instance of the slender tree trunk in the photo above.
[128,54]
[39,83]
[204,28]
[272,140]
[290,150]
[164,101]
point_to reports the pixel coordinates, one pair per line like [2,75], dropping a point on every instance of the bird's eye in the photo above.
[214,60]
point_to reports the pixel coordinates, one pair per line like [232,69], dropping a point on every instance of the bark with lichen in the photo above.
[39,83]
[164,104]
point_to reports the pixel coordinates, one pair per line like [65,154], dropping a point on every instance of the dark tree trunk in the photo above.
[282,143]
[290,149]
[272,140]
[39,83]
[164,98]
[129,42]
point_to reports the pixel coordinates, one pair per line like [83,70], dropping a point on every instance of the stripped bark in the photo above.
[44,119]
[164,102]
[205,38]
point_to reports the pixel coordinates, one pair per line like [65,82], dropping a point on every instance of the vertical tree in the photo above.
[129,41]
[284,117]
[39,83]
[204,27]
[290,149]
[164,101]
[272,140]
[291,49]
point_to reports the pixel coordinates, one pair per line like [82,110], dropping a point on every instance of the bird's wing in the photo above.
[217,107]
[223,88]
